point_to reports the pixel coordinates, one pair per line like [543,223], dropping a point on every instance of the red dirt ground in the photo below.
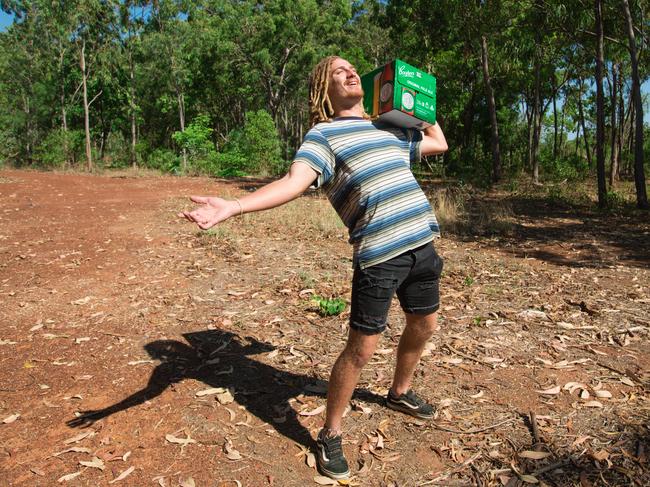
[110,304]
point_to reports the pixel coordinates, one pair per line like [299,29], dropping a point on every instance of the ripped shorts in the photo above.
[413,275]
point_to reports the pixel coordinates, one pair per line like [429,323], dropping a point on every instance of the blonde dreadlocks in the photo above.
[320,107]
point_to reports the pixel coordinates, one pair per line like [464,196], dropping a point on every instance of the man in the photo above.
[364,168]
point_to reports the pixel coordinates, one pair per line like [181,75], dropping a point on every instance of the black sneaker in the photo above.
[331,461]
[410,403]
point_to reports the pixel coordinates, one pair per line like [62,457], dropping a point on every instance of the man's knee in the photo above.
[425,324]
[360,348]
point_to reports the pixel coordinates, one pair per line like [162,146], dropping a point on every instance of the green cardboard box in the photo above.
[401,95]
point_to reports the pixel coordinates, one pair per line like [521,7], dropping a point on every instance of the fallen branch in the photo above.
[533,424]
[468,357]
[475,430]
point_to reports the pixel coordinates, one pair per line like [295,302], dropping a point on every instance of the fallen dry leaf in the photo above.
[188,482]
[11,419]
[79,437]
[225,397]
[75,449]
[313,412]
[123,475]
[179,441]
[69,476]
[534,455]
[211,391]
[593,404]
[94,463]
[529,479]
[231,452]
[552,391]
[320,480]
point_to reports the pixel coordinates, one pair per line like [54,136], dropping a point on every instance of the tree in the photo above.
[639,175]
[600,105]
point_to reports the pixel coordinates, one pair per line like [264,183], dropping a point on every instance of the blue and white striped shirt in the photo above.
[365,169]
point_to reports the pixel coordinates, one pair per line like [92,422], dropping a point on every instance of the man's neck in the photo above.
[353,111]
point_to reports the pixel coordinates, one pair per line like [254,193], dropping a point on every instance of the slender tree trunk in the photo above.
[613,159]
[621,122]
[64,115]
[555,123]
[562,126]
[581,114]
[82,62]
[489,92]
[181,117]
[134,135]
[529,138]
[639,175]
[537,115]
[600,107]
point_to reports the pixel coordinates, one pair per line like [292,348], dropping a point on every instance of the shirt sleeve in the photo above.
[415,141]
[315,151]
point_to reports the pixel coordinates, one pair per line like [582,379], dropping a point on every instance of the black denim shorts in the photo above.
[413,275]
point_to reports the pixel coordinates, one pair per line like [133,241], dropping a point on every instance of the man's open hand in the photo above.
[213,210]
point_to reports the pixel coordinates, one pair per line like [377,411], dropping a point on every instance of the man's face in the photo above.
[344,84]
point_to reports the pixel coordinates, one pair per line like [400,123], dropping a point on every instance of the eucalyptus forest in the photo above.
[548,90]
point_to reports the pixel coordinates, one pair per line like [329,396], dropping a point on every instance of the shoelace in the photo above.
[333,446]
[410,395]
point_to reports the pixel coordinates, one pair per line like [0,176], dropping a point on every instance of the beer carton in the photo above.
[401,95]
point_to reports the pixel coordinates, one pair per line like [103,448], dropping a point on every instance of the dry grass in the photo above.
[311,214]
[465,211]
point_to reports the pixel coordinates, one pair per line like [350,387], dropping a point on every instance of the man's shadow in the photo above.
[222,359]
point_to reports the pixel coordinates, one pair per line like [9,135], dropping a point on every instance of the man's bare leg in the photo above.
[419,328]
[345,375]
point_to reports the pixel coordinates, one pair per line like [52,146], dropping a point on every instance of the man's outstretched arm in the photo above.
[214,210]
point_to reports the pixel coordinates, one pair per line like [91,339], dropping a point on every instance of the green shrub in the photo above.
[614,199]
[254,148]
[163,160]
[196,141]
[571,167]
[59,148]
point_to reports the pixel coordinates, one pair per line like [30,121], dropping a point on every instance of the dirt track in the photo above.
[108,303]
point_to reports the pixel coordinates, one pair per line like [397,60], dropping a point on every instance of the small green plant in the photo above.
[329,306]
[614,199]
[469,280]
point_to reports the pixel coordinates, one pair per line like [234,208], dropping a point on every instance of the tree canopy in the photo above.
[138,82]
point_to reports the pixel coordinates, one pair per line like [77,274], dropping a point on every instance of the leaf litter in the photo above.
[527,323]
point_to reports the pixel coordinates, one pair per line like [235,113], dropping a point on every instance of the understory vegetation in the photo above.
[219,87]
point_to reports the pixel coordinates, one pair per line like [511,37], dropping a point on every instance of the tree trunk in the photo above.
[561,143]
[581,114]
[555,129]
[134,137]
[529,138]
[181,116]
[621,122]
[639,175]
[536,116]
[600,107]
[613,159]
[82,62]
[489,93]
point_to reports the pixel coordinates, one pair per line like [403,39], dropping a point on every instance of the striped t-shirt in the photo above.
[364,168]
